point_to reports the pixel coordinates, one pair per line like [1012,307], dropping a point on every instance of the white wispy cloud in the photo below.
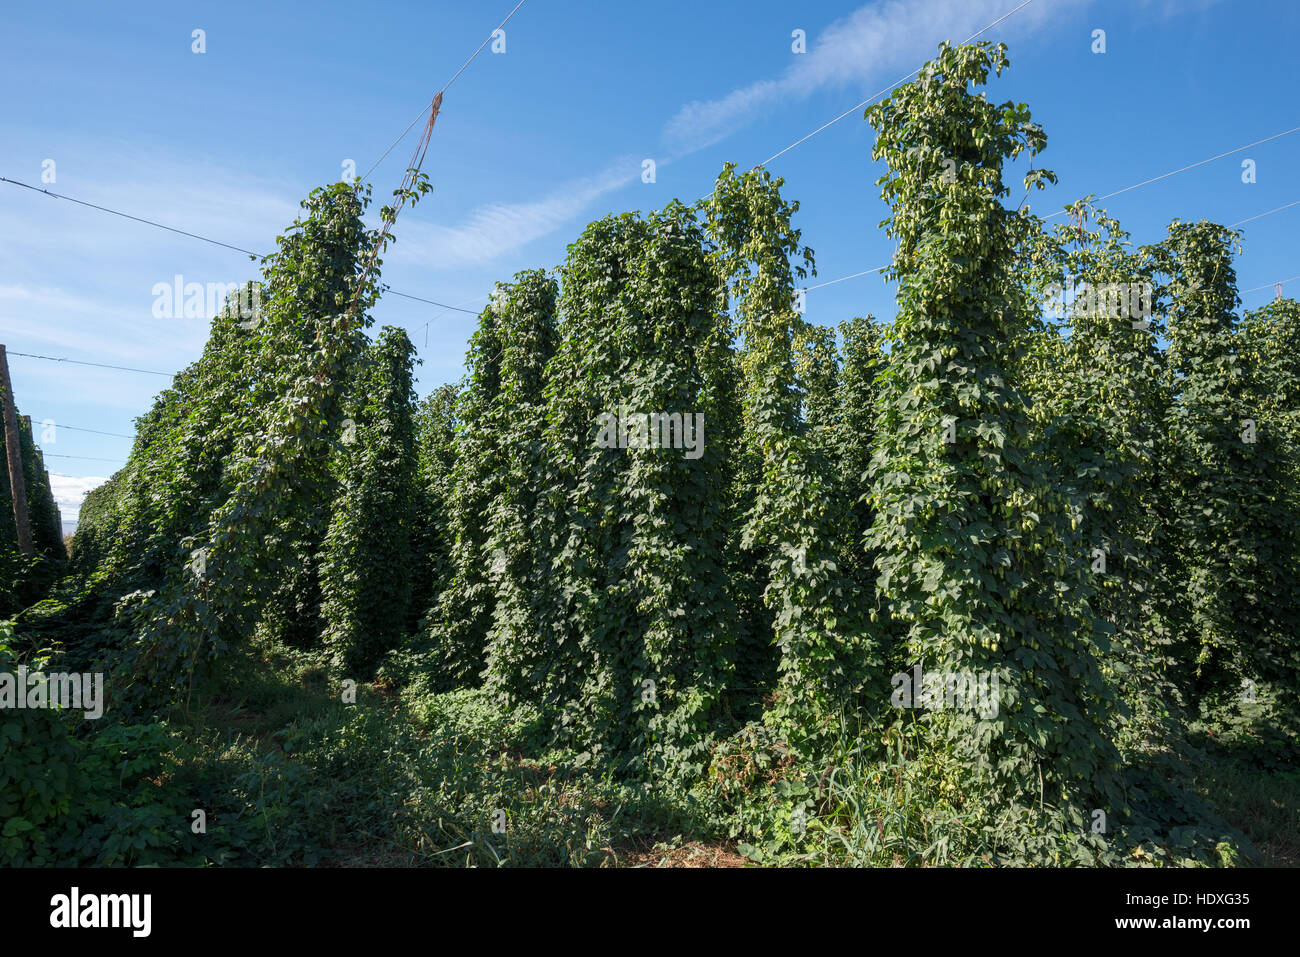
[53,321]
[79,283]
[873,46]
[69,492]
[497,229]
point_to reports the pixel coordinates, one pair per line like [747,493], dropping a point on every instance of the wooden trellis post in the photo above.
[14,456]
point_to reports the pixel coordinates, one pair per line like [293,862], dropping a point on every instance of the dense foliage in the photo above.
[672,558]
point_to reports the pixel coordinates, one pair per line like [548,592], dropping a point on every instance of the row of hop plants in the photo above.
[934,491]
[24,579]
[1101,512]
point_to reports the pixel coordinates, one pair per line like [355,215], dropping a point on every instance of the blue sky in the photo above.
[535,142]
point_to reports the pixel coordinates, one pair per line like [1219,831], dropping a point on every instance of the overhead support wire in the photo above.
[138,219]
[1146,182]
[455,76]
[876,96]
[98,365]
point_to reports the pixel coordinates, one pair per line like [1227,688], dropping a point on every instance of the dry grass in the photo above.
[691,854]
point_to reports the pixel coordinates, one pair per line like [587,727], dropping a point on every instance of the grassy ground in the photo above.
[1252,781]
[299,777]
[292,775]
